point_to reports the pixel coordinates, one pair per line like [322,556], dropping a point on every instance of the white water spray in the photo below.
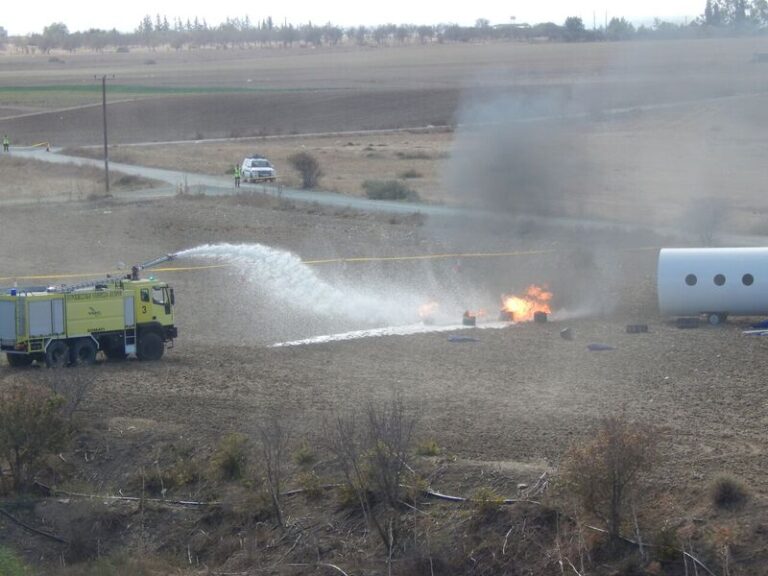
[283,277]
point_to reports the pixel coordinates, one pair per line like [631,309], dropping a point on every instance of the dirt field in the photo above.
[504,407]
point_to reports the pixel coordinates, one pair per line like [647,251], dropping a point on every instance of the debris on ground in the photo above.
[598,347]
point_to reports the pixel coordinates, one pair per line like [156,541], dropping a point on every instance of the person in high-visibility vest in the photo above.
[237,176]
[6,143]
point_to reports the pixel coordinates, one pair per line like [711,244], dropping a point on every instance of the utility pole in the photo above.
[104,114]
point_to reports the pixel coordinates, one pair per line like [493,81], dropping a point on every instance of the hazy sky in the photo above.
[25,17]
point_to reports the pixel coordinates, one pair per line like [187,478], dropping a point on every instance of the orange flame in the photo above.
[523,308]
[428,310]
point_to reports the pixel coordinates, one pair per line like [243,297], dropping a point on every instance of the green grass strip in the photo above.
[10,565]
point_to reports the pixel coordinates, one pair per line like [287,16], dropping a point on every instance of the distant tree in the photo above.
[312,34]
[332,34]
[360,35]
[739,12]
[619,29]
[759,12]
[709,14]
[3,37]
[574,29]
[288,35]
[716,15]
[54,36]
[425,33]
[735,13]
[403,33]
[308,168]
[482,23]
[145,26]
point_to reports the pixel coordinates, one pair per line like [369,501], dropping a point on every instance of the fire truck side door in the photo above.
[144,310]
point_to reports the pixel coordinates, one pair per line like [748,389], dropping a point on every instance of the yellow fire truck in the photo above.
[61,325]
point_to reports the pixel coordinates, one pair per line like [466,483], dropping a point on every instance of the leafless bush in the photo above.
[308,168]
[274,436]
[73,386]
[604,472]
[31,426]
[389,438]
[373,457]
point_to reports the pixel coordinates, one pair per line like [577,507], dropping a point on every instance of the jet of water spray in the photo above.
[282,276]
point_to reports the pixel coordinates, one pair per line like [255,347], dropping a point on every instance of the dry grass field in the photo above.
[663,141]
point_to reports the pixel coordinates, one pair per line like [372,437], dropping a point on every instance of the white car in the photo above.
[257,168]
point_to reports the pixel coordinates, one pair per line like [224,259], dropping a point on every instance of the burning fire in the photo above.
[523,308]
[428,310]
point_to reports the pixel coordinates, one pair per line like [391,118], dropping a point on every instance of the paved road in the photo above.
[222,185]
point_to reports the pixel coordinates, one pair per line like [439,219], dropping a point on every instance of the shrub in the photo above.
[304,455]
[604,472]
[230,459]
[10,565]
[389,190]
[31,427]
[118,565]
[728,492]
[418,155]
[666,544]
[428,448]
[351,495]
[73,386]
[486,501]
[308,168]
[310,483]
[411,173]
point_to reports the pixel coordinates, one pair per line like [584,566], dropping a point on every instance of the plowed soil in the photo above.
[510,401]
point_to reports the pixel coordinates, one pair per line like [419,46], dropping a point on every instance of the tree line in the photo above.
[720,17]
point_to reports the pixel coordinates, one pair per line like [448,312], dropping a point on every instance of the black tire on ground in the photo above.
[19,360]
[150,347]
[57,354]
[114,350]
[83,352]
[637,328]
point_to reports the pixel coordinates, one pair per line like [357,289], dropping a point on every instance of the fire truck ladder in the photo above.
[69,288]
[130,340]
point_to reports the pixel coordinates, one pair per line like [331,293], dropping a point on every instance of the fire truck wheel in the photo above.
[114,353]
[57,354]
[19,360]
[150,347]
[83,352]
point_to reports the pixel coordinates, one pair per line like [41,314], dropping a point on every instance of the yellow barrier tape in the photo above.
[356,259]
[47,146]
